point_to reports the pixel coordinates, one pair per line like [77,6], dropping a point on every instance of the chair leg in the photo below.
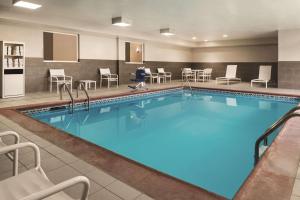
[251,84]
[57,88]
[50,86]
[108,83]
[266,84]
[100,82]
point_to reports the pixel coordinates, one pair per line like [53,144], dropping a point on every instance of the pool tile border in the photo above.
[137,96]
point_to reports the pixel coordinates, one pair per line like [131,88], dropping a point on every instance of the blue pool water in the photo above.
[204,138]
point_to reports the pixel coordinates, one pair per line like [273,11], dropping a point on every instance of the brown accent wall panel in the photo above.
[48,45]
[127,51]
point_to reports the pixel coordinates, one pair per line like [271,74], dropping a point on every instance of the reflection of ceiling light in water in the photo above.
[25,4]
[120,21]
[137,50]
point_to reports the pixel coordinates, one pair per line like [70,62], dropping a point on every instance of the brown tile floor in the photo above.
[60,165]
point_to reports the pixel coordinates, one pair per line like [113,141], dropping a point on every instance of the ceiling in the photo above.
[204,19]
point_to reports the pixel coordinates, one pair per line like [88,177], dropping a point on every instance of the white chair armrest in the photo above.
[53,78]
[11,133]
[60,187]
[69,77]
[13,147]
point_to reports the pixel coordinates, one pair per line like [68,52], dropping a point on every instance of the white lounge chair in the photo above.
[12,156]
[151,76]
[230,75]
[187,74]
[165,75]
[58,77]
[105,74]
[264,75]
[33,184]
[205,75]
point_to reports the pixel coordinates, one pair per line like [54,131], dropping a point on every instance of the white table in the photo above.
[197,71]
[161,77]
[88,84]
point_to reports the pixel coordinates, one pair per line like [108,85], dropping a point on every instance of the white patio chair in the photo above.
[152,76]
[165,75]
[230,75]
[12,156]
[58,77]
[105,74]
[205,75]
[33,184]
[264,75]
[187,74]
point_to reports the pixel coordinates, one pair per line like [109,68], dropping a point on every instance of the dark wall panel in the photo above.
[289,74]
[245,70]
[126,69]
[37,71]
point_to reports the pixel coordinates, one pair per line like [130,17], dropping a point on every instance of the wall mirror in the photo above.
[134,52]
[61,47]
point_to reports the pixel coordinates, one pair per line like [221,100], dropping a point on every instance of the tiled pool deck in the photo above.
[61,165]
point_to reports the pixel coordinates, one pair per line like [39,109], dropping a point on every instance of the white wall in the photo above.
[33,39]
[93,46]
[165,52]
[289,45]
[105,47]
[257,53]
[154,51]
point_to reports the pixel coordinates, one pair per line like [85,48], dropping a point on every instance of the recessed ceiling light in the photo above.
[166,32]
[205,40]
[25,4]
[120,21]
[194,38]
[225,35]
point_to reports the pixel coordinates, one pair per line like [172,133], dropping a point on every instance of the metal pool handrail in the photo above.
[264,137]
[86,93]
[71,97]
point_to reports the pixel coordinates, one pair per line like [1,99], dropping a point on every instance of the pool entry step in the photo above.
[65,86]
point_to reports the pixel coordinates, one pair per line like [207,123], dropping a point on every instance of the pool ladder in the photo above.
[64,85]
[264,137]
[188,82]
[86,94]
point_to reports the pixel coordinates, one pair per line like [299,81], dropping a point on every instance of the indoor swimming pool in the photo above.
[203,137]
